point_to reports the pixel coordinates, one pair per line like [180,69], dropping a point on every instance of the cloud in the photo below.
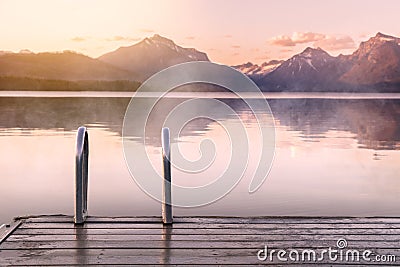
[336,43]
[78,39]
[227,36]
[297,38]
[190,37]
[236,46]
[118,38]
[282,40]
[324,41]
[307,37]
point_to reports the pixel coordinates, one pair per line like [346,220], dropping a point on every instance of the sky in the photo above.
[230,32]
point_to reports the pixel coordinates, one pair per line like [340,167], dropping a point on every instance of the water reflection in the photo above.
[80,254]
[375,124]
[166,244]
[60,114]
[333,157]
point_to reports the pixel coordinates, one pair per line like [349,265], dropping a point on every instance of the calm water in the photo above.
[334,156]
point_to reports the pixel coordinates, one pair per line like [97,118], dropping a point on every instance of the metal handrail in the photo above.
[81,175]
[166,189]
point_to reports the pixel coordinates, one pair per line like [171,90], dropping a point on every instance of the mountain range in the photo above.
[373,67]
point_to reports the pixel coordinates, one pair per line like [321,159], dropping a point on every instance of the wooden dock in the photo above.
[56,240]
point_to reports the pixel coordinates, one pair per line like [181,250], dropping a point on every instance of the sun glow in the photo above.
[231,33]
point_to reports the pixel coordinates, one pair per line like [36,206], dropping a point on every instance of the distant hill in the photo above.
[151,55]
[60,66]
[10,83]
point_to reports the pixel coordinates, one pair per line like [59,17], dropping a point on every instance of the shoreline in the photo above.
[228,95]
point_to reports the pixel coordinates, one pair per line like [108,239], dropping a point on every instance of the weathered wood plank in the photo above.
[199,244]
[7,230]
[233,237]
[54,240]
[212,220]
[212,226]
[155,257]
[205,231]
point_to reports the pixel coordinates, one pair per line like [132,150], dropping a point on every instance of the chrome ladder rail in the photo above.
[166,189]
[81,175]
[82,171]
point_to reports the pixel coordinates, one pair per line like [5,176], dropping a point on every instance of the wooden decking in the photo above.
[55,240]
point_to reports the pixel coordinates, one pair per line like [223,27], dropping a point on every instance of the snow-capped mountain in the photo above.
[376,61]
[254,70]
[151,55]
[311,70]
[374,66]
[25,51]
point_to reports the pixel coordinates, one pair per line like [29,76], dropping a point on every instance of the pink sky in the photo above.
[230,32]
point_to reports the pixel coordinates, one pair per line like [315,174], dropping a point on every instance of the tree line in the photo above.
[11,83]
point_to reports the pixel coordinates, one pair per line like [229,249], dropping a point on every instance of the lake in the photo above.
[335,155]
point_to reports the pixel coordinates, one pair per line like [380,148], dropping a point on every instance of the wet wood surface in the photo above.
[56,241]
